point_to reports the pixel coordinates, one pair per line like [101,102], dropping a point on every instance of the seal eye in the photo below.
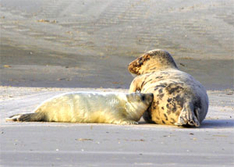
[143,98]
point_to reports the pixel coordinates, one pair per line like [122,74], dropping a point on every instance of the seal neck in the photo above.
[152,69]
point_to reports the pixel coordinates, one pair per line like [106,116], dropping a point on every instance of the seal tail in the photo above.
[31,117]
[189,116]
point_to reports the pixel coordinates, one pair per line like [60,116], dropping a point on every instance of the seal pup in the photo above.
[90,107]
[179,99]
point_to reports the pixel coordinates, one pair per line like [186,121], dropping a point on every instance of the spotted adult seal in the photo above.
[178,98]
[90,107]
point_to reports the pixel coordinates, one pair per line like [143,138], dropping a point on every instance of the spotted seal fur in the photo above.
[179,99]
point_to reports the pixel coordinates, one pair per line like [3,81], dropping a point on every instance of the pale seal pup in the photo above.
[178,98]
[90,107]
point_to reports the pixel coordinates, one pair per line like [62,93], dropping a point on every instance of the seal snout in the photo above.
[133,68]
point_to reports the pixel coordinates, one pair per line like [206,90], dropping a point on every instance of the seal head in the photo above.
[154,60]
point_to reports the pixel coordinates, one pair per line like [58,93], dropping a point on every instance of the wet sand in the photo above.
[20,68]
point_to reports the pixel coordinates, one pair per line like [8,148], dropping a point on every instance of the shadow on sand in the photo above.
[206,124]
[219,123]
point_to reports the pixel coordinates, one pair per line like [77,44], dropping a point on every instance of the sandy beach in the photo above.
[52,47]
[70,144]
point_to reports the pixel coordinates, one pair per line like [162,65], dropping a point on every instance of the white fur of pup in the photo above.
[90,107]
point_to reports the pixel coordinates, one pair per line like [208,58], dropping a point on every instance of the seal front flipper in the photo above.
[31,117]
[136,84]
[188,117]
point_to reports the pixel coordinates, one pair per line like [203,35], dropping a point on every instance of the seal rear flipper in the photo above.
[31,117]
[13,117]
[188,116]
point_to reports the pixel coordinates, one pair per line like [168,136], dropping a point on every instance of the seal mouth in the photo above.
[133,75]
